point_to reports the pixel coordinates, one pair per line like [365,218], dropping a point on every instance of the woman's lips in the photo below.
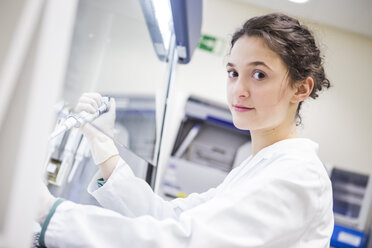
[239,108]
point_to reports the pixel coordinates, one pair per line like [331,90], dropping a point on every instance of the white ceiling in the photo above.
[350,15]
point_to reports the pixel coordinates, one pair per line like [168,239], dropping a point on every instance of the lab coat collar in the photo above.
[298,144]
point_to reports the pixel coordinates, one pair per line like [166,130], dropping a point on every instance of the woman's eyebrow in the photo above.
[255,63]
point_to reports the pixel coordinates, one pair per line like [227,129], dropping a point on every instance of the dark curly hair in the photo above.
[294,43]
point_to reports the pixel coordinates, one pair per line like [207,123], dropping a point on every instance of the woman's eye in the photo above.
[232,74]
[259,75]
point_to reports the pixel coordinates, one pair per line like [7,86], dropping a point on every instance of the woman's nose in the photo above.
[241,88]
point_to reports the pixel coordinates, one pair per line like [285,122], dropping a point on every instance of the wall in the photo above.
[338,120]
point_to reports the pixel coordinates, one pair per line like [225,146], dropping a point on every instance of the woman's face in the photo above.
[258,91]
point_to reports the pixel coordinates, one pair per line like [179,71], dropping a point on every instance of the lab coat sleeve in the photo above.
[272,213]
[131,196]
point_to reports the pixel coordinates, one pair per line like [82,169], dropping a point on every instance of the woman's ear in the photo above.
[303,90]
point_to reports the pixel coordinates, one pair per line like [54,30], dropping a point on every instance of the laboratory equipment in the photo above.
[70,167]
[78,120]
[59,167]
[352,199]
[187,20]
[136,115]
[352,194]
[205,149]
[82,153]
[344,237]
[184,17]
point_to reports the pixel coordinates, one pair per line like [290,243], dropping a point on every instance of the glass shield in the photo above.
[113,53]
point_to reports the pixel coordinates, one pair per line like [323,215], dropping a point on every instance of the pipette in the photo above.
[77,120]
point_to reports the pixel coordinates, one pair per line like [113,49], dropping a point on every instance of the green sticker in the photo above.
[207,43]
[212,44]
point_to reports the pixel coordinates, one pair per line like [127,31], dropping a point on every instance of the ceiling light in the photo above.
[299,1]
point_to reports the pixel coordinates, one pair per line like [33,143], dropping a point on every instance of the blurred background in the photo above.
[173,124]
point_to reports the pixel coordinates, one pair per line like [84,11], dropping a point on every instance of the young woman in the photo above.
[280,196]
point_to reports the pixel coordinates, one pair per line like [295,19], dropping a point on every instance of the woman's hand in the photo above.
[102,147]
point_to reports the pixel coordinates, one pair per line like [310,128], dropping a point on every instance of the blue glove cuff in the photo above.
[47,220]
[101,182]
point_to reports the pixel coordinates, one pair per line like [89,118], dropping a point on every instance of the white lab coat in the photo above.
[281,197]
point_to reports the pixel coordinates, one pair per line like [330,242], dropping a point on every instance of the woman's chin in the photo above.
[242,125]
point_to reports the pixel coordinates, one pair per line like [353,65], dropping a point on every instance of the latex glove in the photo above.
[101,146]
[46,201]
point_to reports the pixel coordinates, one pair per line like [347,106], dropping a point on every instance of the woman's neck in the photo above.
[266,137]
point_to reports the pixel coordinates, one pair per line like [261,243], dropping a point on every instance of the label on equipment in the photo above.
[349,239]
